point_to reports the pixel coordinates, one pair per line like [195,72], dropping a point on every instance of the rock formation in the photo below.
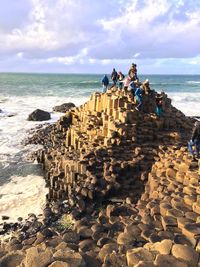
[128,182]
[39,115]
[64,107]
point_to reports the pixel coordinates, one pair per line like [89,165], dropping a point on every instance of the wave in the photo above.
[193,82]
[22,195]
[188,103]
[91,82]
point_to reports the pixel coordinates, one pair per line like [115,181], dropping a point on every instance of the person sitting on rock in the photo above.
[159,105]
[133,86]
[105,83]
[132,73]
[120,79]
[114,76]
[138,96]
[195,140]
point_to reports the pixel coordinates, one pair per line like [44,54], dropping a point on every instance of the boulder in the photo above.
[39,115]
[168,261]
[134,256]
[72,258]
[12,259]
[185,253]
[36,258]
[64,107]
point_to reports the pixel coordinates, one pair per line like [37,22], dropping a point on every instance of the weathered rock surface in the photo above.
[64,107]
[123,190]
[39,115]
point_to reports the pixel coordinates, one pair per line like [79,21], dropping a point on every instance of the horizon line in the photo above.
[89,73]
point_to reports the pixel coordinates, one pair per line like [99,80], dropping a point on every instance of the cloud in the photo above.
[100,32]
[153,28]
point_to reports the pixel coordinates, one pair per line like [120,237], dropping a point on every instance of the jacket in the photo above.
[105,81]
[196,132]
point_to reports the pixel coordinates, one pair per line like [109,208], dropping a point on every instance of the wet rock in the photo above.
[39,238]
[12,259]
[39,115]
[47,212]
[87,245]
[4,218]
[29,241]
[71,237]
[64,107]
[90,260]
[104,240]
[19,219]
[47,233]
[84,232]
[115,260]
[54,241]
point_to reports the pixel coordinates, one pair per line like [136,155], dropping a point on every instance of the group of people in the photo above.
[131,82]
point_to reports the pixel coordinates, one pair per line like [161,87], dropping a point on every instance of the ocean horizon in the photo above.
[22,187]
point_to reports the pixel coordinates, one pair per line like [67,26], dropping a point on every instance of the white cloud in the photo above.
[103,32]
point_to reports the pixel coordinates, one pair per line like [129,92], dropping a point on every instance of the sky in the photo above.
[93,36]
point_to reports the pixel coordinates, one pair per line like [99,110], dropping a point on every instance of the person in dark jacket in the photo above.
[121,79]
[105,83]
[195,140]
[114,76]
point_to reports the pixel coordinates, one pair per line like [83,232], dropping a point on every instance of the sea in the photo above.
[22,187]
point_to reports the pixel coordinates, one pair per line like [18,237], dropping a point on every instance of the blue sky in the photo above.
[93,36]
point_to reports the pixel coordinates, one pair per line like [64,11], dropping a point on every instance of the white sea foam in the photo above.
[193,82]
[21,196]
[188,103]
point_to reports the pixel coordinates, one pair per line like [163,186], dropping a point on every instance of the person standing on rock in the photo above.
[126,82]
[195,140]
[105,83]
[114,76]
[132,73]
[121,79]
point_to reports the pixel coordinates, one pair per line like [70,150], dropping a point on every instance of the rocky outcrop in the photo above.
[64,107]
[127,181]
[106,146]
[39,115]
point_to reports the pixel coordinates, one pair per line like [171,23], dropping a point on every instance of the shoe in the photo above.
[137,109]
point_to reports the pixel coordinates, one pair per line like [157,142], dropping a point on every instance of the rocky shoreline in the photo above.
[123,190]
